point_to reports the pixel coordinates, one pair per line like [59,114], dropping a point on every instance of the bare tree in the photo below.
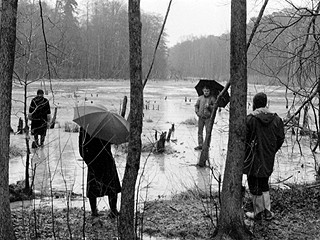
[127,226]
[7,53]
[231,222]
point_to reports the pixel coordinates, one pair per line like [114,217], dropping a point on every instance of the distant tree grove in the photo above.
[284,49]
[57,42]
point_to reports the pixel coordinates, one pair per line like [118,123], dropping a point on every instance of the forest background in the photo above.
[94,45]
[279,46]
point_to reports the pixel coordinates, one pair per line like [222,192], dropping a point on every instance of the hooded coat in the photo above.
[265,136]
[102,178]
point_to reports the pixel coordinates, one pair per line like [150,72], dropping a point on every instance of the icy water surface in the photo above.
[58,165]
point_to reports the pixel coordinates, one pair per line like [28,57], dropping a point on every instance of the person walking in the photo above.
[203,109]
[40,116]
[265,136]
[102,177]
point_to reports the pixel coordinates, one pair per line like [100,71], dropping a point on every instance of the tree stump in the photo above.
[170,133]
[53,121]
[20,126]
[124,106]
[160,146]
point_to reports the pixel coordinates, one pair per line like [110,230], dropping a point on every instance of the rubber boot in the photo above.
[268,215]
[113,205]
[258,208]
[93,206]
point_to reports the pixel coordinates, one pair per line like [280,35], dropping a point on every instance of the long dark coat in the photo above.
[102,178]
[265,136]
[39,109]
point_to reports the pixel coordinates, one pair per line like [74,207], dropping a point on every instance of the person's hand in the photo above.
[48,125]
[207,105]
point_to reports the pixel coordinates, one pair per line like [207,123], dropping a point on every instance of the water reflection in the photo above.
[39,171]
[59,164]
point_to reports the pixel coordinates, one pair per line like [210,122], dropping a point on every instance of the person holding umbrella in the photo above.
[203,109]
[102,177]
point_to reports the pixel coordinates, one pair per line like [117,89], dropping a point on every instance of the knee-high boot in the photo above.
[267,205]
[258,207]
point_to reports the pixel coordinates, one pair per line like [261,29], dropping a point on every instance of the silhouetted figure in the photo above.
[102,177]
[40,116]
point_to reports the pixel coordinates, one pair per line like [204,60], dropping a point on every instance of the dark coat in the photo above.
[102,178]
[265,136]
[39,110]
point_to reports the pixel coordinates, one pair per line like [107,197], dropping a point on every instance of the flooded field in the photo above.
[58,165]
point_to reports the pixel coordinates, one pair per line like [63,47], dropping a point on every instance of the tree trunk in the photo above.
[126,226]
[160,146]
[231,222]
[7,51]
[53,121]
[124,106]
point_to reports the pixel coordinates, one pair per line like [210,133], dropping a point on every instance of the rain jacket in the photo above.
[200,107]
[265,136]
[102,177]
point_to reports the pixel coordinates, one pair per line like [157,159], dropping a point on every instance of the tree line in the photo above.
[58,42]
[285,44]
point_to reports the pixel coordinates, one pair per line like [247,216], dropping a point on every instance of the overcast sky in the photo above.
[200,17]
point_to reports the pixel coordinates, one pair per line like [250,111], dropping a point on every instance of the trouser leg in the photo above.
[267,200]
[93,205]
[255,186]
[42,138]
[201,124]
[36,139]
[258,205]
[267,205]
[113,204]
[113,198]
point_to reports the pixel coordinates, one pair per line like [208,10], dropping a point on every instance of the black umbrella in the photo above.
[215,89]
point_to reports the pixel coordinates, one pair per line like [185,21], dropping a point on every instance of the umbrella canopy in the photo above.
[101,123]
[215,89]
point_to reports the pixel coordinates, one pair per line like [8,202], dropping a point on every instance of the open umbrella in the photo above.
[101,123]
[215,89]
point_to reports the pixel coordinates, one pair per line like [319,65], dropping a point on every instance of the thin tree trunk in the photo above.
[204,156]
[127,227]
[7,52]
[124,106]
[231,217]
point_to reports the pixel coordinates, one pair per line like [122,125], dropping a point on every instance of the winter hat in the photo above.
[259,100]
